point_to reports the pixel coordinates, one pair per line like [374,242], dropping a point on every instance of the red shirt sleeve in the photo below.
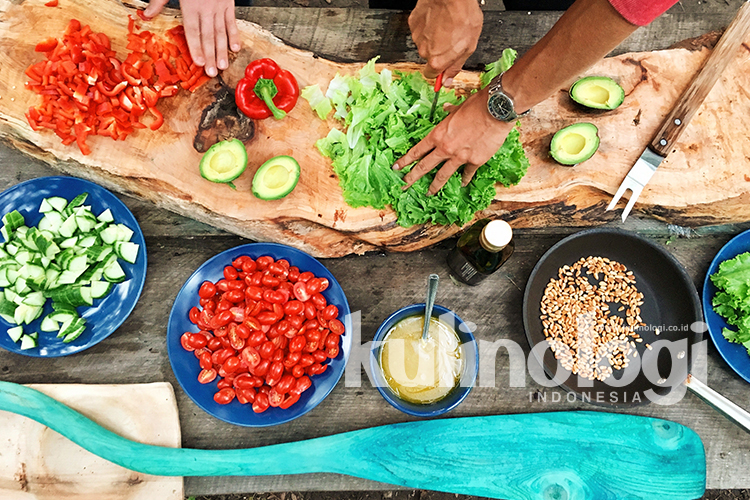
[641,12]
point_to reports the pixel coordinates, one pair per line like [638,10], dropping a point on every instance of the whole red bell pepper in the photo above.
[266,90]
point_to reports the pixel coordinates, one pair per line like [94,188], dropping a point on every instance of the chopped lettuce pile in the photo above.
[383,118]
[732,301]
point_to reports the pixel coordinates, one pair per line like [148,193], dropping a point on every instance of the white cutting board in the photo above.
[37,463]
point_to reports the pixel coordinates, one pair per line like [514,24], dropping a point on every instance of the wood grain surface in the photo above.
[162,166]
[40,464]
[379,283]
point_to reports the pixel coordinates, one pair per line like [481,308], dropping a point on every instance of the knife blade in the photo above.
[438,85]
[689,102]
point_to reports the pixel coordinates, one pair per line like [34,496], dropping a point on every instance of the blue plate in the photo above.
[735,355]
[108,313]
[185,365]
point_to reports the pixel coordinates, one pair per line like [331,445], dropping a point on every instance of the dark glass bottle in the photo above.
[481,250]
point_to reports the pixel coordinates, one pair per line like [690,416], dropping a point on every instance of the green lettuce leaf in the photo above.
[493,69]
[732,301]
[318,102]
[382,117]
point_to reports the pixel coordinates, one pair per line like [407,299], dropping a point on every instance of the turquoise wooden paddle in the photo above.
[559,455]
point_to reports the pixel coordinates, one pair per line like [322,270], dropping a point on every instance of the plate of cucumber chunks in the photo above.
[72,266]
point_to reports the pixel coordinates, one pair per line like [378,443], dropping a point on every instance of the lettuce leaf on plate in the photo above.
[732,301]
[383,117]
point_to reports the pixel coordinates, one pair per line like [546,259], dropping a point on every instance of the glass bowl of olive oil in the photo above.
[424,377]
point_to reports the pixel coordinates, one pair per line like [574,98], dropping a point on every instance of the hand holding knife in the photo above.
[438,85]
[676,121]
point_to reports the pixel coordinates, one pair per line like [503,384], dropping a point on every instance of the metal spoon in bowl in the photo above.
[432,285]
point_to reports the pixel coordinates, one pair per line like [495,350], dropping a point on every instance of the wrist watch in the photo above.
[500,103]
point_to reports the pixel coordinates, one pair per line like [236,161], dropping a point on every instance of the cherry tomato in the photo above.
[193,315]
[316,369]
[278,270]
[221,319]
[197,341]
[250,356]
[319,356]
[303,384]
[300,291]
[294,307]
[231,364]
[330,312]
[290,399]
[296,321]
[292,359]
[207,375]
[297,343]
[313,286]
[225,396]
[213,344]
[270,280]
[256,339]
[319,301]
[230,273]
[210,306]
[254,292]
[336,327]
[297,371]
[223,382]
[243,381]
[310,311]
[280,343]
[261,403]
[243,331]
[245,396]
[275,372]
[306,360]
[275,398]
[285,384]
[234,296]
[205,361]
[332,352]
[332,340]
[307,275]
[293,274]
[272,296]
[267,318]
[261,369]
[324,283]
[249,266]
[207,290]
[185,341]
[263,262]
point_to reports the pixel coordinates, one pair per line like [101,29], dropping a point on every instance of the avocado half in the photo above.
[574,144]
[276,178]
[224,161]
[598,92]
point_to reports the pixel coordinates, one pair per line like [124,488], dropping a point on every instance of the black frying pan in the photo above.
[670,302]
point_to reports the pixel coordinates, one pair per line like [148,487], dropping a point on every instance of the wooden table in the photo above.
[137,353]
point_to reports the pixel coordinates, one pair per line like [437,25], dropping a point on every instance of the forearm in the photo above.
[588,31]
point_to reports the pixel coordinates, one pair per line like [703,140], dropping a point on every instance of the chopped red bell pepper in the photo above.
[266,90]
[51,3]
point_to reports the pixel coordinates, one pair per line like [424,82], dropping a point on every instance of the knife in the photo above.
[676,121]
[438,85]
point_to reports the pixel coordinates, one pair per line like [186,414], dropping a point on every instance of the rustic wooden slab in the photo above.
[162,166]
[40,464]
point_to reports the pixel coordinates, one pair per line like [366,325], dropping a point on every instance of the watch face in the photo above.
[501,107]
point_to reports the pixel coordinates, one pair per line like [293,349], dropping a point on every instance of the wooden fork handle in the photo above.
[724,52]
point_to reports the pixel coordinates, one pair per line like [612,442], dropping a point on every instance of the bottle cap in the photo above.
[496,235]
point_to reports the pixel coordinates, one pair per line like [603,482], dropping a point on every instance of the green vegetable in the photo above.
[276,178]
[383,118]
[224,161]
[70,257]
[598,92]
[493,69]
[318,102]
[575,143]
[732,301]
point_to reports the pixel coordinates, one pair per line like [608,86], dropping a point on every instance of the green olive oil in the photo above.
[481,250]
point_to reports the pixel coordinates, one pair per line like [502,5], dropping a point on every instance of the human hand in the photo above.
[210,27]
[446,33]
[468,136]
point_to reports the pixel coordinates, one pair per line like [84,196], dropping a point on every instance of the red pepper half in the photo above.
[266,90]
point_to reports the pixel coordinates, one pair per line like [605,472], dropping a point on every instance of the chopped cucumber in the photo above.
[28,342]
[15,333]
[71,257]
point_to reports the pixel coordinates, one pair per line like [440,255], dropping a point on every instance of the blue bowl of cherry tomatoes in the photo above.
[259,334]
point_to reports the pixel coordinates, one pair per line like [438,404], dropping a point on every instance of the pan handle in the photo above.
[721,404]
